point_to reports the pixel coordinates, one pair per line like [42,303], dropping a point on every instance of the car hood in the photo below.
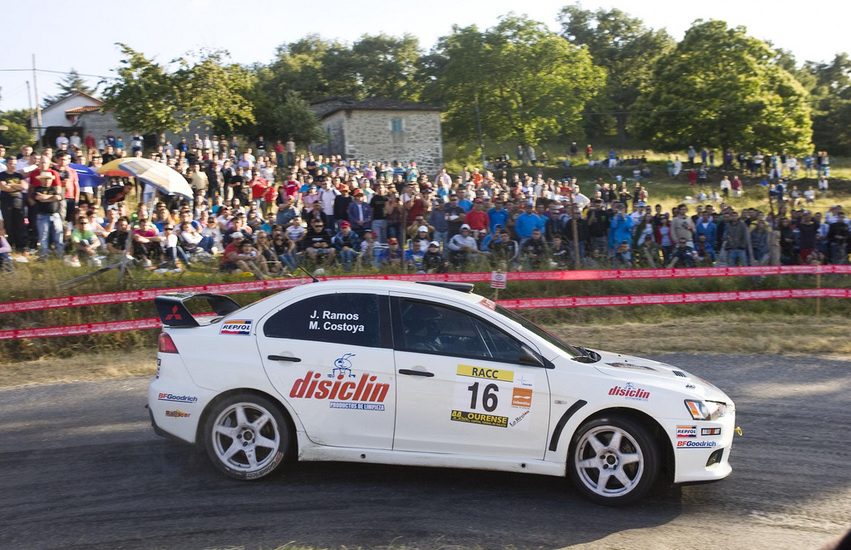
[650,372]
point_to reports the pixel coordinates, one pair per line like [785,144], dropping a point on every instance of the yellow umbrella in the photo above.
[168,180]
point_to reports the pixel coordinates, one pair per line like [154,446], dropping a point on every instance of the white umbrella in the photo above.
[168,180]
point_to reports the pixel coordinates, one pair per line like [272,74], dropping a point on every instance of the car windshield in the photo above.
[529,325]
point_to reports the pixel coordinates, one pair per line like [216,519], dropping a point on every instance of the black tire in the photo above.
[613,472]
[246,436]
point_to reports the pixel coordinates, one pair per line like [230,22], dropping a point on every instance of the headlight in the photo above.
[705,410]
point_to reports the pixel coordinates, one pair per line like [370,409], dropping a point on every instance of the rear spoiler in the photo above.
[174,313]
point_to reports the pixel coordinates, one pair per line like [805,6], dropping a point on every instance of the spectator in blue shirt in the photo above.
[527,222]
[497,216]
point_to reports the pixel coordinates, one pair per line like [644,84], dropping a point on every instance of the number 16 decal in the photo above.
[490,399]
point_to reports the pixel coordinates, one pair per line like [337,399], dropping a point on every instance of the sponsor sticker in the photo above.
[236,326]
[689,444]
[630,391]
[357,406]
[177,413]
[521,398]
[686,431]
[518,418]
[486,373]
[342,387]
[163,396]
[479,418]
[710,431]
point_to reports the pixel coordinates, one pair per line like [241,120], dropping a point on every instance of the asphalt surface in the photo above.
[81,468]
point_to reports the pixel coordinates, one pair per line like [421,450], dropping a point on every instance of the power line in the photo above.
[53,72]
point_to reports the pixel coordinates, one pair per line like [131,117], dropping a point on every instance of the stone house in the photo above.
[79,112]
[381,130]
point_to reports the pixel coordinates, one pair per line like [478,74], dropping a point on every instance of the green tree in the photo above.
[387,67]
[70,83]
[148,97]
[722,88]
[526,82]
[216,91]
[144,95]
[831,92]
[17,131]
[627,49]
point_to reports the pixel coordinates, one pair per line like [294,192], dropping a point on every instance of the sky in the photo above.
[63,35]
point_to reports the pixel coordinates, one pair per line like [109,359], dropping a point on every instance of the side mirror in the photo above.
[528,357]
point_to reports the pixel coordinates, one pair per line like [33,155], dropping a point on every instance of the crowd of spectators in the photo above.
[265,210]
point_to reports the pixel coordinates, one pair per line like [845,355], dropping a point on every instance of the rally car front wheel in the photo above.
[613,460]
[246,436]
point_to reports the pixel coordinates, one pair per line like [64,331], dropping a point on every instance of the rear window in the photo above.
[346,318]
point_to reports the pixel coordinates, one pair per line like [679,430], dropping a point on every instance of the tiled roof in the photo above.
[329,106]
[83,109]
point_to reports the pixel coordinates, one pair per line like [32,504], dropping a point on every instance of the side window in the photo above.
[353,319]
[433,328]
[502,346]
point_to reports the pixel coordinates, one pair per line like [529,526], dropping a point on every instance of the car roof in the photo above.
[425,290]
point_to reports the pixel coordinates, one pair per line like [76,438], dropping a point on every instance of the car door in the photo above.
[330,357]
[465,385]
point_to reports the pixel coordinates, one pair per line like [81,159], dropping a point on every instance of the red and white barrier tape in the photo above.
[525,303]
[281,284]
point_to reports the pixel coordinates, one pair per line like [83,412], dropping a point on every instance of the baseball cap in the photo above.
[344,223]
[237,235]
[434,243]
[422,228]
[465,226]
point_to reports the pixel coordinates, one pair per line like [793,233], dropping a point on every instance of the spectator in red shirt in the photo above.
[477,218]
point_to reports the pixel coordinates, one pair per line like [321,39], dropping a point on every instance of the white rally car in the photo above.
[426,375]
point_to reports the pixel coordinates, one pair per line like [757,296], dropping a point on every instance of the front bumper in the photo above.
[699,456]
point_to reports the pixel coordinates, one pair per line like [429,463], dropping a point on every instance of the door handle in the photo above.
[285,358]
[416,372]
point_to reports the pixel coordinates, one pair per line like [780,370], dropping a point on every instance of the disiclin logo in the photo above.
[313,386]
[630,391]
[686,431]
[177,413]
[236,326]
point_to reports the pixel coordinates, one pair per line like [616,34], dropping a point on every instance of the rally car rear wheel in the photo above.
[613,460]
[246,436]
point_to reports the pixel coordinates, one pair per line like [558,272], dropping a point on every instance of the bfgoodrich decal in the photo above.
[688,444]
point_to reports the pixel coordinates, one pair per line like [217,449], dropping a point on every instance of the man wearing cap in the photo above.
[433,260]
[462,247]
[360,214]
[342,203]
[347,244]
[46,197]
[316,243]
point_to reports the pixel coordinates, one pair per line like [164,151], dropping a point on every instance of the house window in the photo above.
[397,129]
